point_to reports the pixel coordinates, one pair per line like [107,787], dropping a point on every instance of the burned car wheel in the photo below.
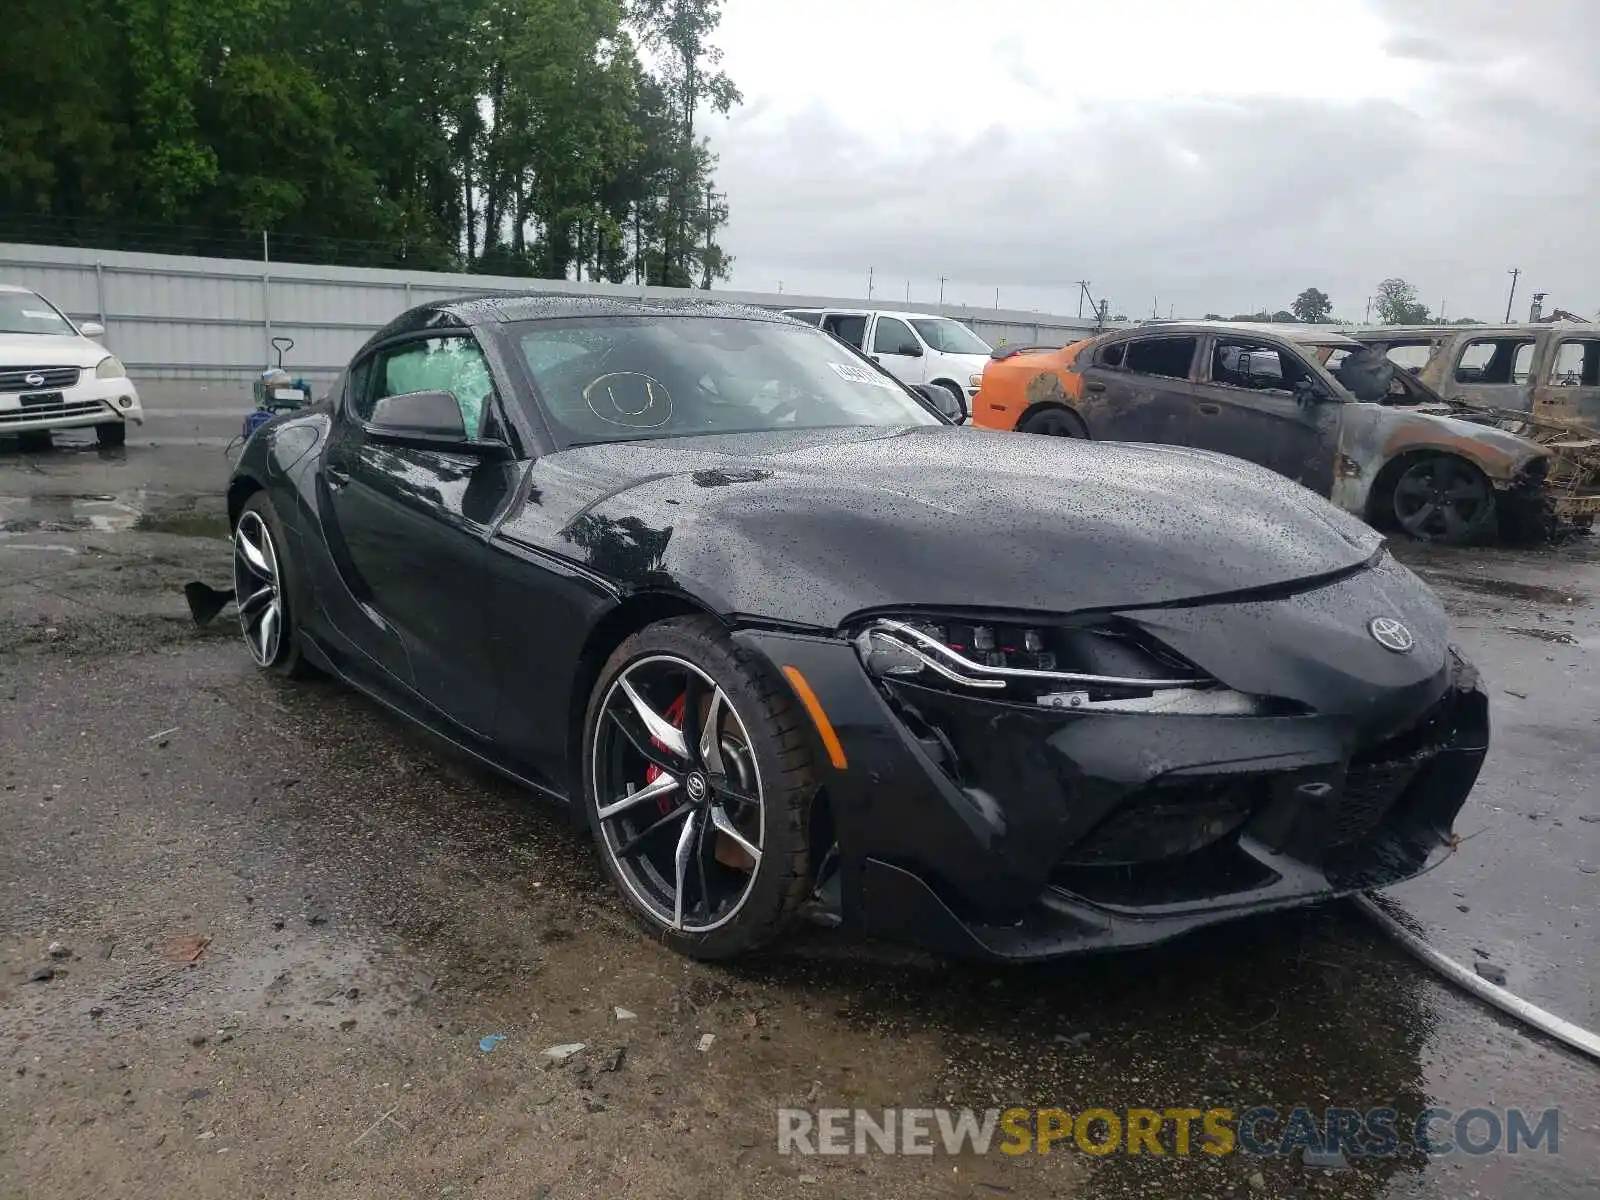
[698,786]
[1055,422]
[1442,498]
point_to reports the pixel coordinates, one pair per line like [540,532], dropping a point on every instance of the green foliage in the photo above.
[1397,304]
[1312,306]
[512,136]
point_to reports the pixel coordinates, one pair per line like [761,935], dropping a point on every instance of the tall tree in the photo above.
[1312,306]
[1397,304]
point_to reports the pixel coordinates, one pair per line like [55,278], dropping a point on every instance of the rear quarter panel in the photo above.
[1013,388]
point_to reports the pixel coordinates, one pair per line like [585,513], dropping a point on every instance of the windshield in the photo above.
[25,312]
[951,337]
[626,378]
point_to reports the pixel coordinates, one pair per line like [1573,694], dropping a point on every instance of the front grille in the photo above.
[1167,821]
[15,379]
[1379,776]
[58,408]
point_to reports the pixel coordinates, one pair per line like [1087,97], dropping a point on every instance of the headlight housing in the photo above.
[1105,666]
[110,367]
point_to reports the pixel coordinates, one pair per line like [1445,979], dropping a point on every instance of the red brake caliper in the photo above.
[674,713]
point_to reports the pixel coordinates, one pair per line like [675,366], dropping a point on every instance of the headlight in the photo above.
[975,379]
[110,368]
[1103,667]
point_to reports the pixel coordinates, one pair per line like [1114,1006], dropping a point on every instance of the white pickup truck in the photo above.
[913,347]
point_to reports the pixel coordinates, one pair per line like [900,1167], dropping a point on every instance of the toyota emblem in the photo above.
[1390,634]
[34,380]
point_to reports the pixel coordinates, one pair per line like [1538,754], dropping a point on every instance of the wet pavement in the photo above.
[286,921]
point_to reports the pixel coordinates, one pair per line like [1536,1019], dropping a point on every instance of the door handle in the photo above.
[1094,387]
[875,358]
[335,477]
[1211,410]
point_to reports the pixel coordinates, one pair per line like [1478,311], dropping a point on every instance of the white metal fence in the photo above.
[174,317]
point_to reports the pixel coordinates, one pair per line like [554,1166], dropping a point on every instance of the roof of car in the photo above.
[1305,335]
[11,287]
[882,312]
[1380,332]
[541,306]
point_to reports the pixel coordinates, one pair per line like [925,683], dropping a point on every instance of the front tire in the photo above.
[263,585]
[1445,499]
[35,441]
[698,782]
[112,433]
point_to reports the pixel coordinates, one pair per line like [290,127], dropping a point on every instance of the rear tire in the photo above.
[713,856]
[1055,422]
[112,433]
[264,582]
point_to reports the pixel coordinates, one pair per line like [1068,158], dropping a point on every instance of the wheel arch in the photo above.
[240,489]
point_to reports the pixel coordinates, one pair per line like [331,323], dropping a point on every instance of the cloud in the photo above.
[1445,142]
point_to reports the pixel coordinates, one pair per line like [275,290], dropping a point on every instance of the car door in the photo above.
[1138,389]
[898,350]
[1259,399]
[1495,370]
[409,525]
[1569,387]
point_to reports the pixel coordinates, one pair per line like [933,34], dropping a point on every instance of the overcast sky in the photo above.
[1202,155]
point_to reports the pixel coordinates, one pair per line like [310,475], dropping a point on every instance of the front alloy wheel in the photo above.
[698,789]
[1443,499]
[261,590]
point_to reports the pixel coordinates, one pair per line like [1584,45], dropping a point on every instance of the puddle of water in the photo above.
[102,513]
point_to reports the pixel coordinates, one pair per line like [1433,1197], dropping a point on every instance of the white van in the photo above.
[913,347]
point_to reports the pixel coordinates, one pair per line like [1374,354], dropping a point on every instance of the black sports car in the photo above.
[786,637]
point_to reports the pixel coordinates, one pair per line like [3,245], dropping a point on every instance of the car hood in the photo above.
[811,527]
[48,350]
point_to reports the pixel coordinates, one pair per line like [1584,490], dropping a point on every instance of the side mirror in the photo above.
[428,420]
[92,329]
[943,400]
[1307,392]
[910,350]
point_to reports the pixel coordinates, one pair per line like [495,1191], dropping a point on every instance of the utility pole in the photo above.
[1366,318]
[1083,290]
[870,272]
[638,243]
[997,299]
[780,287]
[942,281]
[908,291]
[711,198]
[1514,272]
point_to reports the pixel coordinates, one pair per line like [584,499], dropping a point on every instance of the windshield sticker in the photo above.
[856,373]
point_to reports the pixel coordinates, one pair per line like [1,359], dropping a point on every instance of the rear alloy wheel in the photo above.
[698,786]
[261,590]
[1055,422]
[1443,499]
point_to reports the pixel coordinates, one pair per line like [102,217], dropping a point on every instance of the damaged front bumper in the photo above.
[984,828]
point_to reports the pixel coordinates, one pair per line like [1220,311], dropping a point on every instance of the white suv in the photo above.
[913,347]
[53,375]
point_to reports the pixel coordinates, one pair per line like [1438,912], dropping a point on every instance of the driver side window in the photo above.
[453,364]
[893,337]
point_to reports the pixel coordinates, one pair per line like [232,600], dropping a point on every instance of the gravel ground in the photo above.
[286,921]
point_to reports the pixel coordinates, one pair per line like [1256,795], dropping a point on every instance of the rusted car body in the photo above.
[1311,404]
[1551,372]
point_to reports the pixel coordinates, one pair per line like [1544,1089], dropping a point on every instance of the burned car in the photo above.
[1312,405]
[787,640]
